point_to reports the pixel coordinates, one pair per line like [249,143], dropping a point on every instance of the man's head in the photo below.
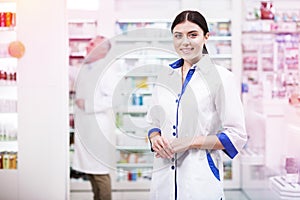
[97,48]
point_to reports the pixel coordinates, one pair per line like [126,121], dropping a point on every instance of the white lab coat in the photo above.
[210,105]
[94,127]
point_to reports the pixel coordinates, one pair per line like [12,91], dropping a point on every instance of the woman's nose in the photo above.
[185,40]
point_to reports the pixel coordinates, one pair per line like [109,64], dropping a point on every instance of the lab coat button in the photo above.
[173,167]
[173,159]
[174,134]
[176,101]
[174,127]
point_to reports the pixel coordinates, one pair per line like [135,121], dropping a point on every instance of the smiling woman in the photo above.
[196,114]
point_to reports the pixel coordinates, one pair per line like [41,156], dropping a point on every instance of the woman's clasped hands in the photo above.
[166,148]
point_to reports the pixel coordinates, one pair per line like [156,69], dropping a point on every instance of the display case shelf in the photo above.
[9,146]
[283,189]
[146,39]
[133,148]
[80,37]
[133,109]
[167,56]
[130,185]
[134,165]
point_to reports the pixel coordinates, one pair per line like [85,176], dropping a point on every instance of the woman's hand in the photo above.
[161,147]
[182,144]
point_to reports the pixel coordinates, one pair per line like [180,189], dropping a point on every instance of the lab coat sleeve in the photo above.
[102,99]
[154,114]
[229,107]
[101,102]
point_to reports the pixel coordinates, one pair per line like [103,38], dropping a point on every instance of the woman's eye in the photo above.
[193,35]
[178,36]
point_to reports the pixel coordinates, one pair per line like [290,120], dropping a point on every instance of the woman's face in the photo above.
[188,40]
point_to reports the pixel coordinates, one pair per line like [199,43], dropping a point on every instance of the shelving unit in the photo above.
[8,86]
[138,71]
[81,31]
[283,189]
[270,71]
[8,103]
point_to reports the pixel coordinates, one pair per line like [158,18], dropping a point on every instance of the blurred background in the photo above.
[42,47]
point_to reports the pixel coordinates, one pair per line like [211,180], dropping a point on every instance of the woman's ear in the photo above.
[206,35]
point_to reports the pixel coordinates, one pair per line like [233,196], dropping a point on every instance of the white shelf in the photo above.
[80,185]
[133,109]
[129,185]
[283,189]
[8,6]
[9,146]
[82,21]
[10,29]
[80,37]
[133,148]
[77,55]
[146,39]
[134,165]
[9,61]
[148,57]
[138,74]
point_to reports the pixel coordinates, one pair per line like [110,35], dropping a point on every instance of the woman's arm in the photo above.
[196,142]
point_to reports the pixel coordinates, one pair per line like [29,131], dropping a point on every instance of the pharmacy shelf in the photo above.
[132,185]
[149,56]
[8,146]
[140,39]
[134,165]
[283,189]
[145,74]
[80,37]
[133,109]
[80,185]
[133,148]
[9,61]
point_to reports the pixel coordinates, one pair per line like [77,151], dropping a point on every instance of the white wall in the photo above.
[43,101]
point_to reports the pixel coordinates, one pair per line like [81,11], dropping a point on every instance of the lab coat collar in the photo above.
[204,64]
[91,65]
[178,63]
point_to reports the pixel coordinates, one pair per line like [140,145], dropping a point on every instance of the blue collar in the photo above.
[178,63]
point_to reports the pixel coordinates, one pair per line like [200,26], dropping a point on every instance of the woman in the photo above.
[196,114]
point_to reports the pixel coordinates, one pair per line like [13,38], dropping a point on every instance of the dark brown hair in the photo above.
[194,17]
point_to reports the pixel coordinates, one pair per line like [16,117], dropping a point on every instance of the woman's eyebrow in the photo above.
[192,31]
